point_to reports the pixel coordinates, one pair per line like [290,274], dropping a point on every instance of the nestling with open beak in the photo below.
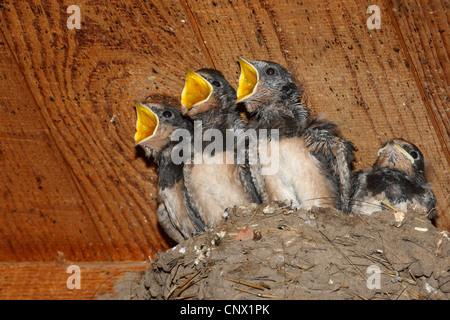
[155,125]
[221,182]
[314,161]
[396,179]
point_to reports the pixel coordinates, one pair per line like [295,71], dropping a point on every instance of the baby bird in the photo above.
[155,125]
[217,181]
[314,161]
[396,178]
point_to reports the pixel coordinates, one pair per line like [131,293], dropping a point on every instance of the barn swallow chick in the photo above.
[396,179]
[314,162]
[155,125]
[221,182]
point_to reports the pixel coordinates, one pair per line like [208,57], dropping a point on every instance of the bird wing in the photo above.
[335,153]
[166,223]
[245,177]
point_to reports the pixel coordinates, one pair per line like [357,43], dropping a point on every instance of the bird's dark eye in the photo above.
[167,114]
[414,154]
[216,84]
[270,71]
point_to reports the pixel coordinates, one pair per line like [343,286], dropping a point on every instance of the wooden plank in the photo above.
[424,29]
[84,82]
[42,214]
[48,281]
[358,77]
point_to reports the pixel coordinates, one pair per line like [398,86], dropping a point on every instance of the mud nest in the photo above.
[273,251]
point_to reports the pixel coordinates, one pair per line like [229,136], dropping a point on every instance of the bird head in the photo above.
[155,124]
[401,155]
[263,82]
[205,90]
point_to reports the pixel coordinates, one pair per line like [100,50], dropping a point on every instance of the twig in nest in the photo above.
[295,280]
[412,276]
[185,274]
[389,206]
[256,294]
[171,277]
[374,260]
[245,284]
[187,296]
[346,288]
[182,286]
[343,254]
[299,274]
[400,278]
[413,294]
[190,284]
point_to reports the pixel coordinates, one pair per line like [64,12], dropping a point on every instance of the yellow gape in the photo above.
[146,124]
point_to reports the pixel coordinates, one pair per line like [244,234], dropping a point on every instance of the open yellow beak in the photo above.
[146,124]
[404,152]
[196,90]
[248,80]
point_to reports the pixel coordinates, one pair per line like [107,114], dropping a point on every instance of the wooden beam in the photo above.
[75,186]
[48,281]
[83,83]
[360,78]
[423,27]
[42,213]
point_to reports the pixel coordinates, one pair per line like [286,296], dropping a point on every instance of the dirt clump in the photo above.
[273,251]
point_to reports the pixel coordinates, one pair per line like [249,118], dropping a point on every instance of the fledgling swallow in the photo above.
[314,167]
[396,178]
[208,98]
[155,125]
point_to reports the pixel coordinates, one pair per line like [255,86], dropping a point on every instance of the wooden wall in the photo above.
[74,188]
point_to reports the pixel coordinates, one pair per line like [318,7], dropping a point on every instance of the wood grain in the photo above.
[48,281]
[424,30]
[75,186]
[358,77]
[42,213]
[84,82]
